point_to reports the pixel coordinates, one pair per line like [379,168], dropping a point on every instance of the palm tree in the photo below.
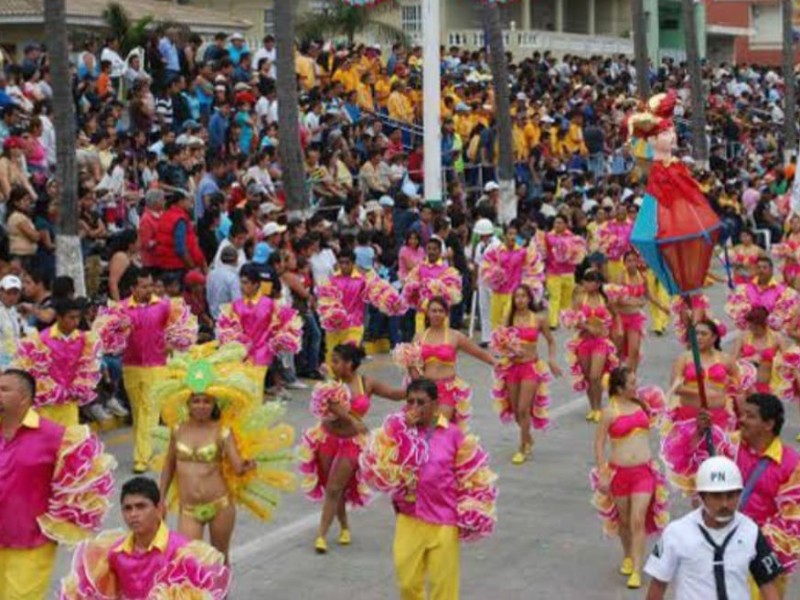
[790,82]
[289,149]
[505,164]
[69,260]
[640,48]
[339,18]
[699,140]
[130,34]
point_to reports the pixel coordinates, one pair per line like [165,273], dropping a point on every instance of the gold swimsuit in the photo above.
[203,513]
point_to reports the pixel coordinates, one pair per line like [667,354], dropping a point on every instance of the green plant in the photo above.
[341,19]
[130,34]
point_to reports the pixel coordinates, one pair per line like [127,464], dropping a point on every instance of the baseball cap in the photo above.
[195,277]
[271,229]
[237,36]
[10,282]
[261,253]
[267,208]
[491,187]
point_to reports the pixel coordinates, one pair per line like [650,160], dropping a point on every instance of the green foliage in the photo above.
[130,34]
[342,19]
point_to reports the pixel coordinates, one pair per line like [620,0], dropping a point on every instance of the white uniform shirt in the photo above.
[685,559]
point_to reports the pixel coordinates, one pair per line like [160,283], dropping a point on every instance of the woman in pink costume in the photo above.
[762,348]
[343,299]
[329,450]
[629,296]
[697,309]
[684,445]
[744,256]
[591,353]
[630,491]
[521,379]
[433,356]
[789,251]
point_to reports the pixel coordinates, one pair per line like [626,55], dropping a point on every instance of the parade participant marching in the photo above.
[695,309]
[630,492]
[763,290]
[771,496]
[55,484]
[505,266]
[144,328]
[744,258]
[442,490]
[521,379]
[223,445]
[343,299]
[264,326]
[789,251]
[715,549]
[430,279]
[591,353]
[329,451]
[565,251]
[65,363]
[433,355]
[761,347]
[629,295]
[684,442]
[485,232]
[614,240]
[148,563]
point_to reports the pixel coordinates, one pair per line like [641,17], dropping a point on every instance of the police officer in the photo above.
[709,553]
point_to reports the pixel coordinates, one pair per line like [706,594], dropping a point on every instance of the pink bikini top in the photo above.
[636,290]
[443,353]
[623,426]
[715,374]
[360,403]
[600,313]
[528,334]
[766,355]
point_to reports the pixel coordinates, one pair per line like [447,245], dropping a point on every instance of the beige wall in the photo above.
[14,38]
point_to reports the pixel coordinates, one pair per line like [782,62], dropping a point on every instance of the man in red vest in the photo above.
[176,247]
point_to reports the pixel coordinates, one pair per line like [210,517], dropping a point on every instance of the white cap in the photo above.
[237,36]
[267,208]
[10,282]
[483,227]
[718,474]
[272,228]
[522,96]
[373,206]
[491,187]
[386,201]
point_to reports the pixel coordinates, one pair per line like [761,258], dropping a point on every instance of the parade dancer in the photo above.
[148,563]
[760,347]
[614,240]
[696,309]
[442,490]
[744,257]
[505,266]
[629,295]
[520,390]
[224,446]
[430,279]
[630,491]
[591,353]
[789,251]
[433,355]
[564,252]
[65,363]
[264,326]
[330,449]
[55,484]
[144,328]
[342,303]
[684,441]
[763,290]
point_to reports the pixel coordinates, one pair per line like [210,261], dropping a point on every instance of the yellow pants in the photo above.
[63,414]
[501,307]
[144,409]
[614,270]
[559,290]
[780,583]
[353,335]
[659,319]
[422,549]
[25,574]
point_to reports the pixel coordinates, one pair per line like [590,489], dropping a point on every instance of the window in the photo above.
[269,21]
[411,20]
[768,25]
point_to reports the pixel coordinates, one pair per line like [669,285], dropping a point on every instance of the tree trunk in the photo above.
[699,139]
[790,82]
[505,163]
[69,260]
[640,48]
[289,149]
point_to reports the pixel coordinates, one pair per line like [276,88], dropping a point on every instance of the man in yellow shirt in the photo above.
[364,93]
[399,105]
[521,149]
[306,69]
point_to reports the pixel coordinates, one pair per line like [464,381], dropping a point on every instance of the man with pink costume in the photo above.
[65,363]
[442,489]
[565,251]
[343,299]
[779,299]
[149,563]
[431,278]
[505,266]
[771,471]
[145,328]
[55,484]
[614,240]
[264,326]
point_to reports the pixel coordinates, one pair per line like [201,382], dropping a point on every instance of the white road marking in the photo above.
[264,543]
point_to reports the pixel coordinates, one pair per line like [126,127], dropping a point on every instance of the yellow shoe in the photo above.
[635,581]
[598,414]
[344,538]
[320,545]
[590,415]
[627,566]
[518,458]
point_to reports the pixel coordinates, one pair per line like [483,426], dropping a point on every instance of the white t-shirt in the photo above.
[270,55]
[117,64]
[683,557]
[322,265]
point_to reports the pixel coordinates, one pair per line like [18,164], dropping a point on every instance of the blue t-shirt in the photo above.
[365,257]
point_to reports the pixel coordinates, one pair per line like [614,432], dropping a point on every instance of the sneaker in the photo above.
[320,545]
[634,581]
[98,413]
[627,566]
[518,458]
[297,385]
[345,538]
[115,407]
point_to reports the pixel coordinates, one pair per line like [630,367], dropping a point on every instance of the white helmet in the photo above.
[718,474]
[483,227]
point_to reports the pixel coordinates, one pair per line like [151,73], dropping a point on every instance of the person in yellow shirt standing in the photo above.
[399,105]
[306,69]
[364,91]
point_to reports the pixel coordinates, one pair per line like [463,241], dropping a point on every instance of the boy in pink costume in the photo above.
[429,279]
[614,240]
[54,488]
[780,300]
[149,563]
[65,363]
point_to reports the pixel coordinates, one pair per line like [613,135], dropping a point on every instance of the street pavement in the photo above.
[548,542]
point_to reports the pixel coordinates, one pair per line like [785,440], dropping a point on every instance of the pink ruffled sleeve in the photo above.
[476,491]
[782,530]
[393,455]
[533,271]
[82,488]
[412,288]
[229,327]
[113,326]
[492,272]
[182,326]
[408,355]
[332,314]
[738,305]
[91,577]
[447,285]
[286,328]
[196,571]
[326,393]
[383,296]
[506,342]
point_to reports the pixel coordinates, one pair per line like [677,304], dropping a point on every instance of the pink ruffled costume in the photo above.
[453,391]
[780,301]
[428,280]
[583,344]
